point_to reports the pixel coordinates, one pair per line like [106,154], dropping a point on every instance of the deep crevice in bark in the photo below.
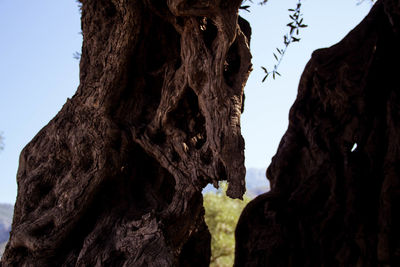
[209,31]
[188,119]
[232,65]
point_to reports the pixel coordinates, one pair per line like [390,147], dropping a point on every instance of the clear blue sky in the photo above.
[38,71]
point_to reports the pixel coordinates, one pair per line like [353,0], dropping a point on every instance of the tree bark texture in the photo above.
[335,180]
[115,179]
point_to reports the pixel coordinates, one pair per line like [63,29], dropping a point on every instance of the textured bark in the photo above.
[115,178]
[331,203]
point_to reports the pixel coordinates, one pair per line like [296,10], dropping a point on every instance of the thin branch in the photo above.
[291,37]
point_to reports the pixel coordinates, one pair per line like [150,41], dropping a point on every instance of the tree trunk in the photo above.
[335,180]
[115,179]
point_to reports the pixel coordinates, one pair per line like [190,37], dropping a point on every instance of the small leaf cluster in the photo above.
[1,141]
[246,7]
[76,55]
[292,36]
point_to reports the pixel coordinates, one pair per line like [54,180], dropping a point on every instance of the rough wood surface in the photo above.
[335,180]
[115,178]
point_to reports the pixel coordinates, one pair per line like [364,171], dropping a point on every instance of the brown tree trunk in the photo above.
[335,180]
[115,179]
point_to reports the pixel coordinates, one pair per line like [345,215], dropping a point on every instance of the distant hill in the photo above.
[2,247]
[4,232]
[256,182]
[6,214]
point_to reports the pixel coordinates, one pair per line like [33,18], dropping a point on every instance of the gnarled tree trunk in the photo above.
[335,180]
[115,178]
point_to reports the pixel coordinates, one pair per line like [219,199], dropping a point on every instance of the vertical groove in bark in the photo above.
[334,196]
[115,178]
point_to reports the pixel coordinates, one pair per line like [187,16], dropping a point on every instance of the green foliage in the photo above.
[222,214]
